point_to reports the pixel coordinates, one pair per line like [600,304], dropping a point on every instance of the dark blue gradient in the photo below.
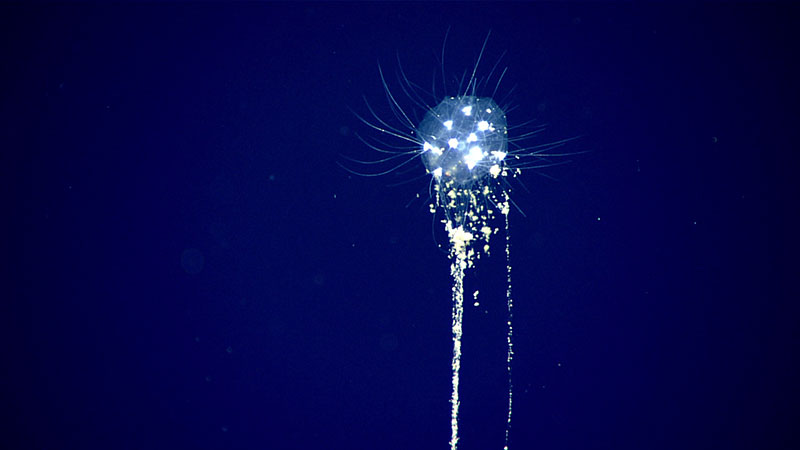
[188,267]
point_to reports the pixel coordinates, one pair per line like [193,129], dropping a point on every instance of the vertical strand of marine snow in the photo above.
[510,334]
[457,271]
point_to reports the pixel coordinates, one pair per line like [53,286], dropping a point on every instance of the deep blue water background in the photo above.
[188,267]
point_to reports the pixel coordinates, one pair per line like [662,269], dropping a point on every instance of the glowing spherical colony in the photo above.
[464,145]
[464,139]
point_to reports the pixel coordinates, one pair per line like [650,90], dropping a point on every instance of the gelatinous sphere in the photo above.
[464,138]
[464,145]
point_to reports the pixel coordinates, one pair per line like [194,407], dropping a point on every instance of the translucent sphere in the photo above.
[464,139]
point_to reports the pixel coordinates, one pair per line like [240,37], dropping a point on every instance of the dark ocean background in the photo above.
[188,267]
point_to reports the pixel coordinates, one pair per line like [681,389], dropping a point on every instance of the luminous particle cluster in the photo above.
[464,146]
